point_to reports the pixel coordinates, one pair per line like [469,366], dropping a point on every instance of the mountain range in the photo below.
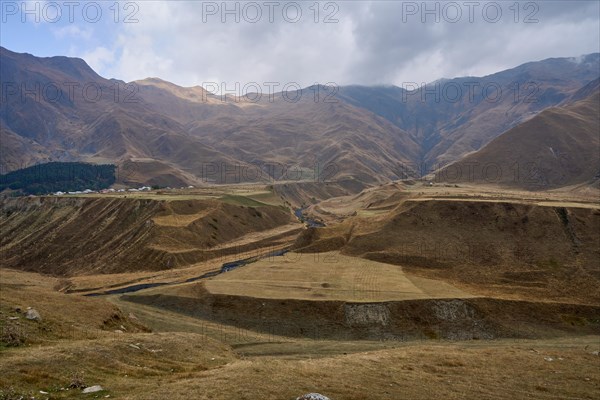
[59,109]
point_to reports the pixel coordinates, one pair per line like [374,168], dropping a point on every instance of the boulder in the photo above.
[313,396]
[93,389]
[33,314]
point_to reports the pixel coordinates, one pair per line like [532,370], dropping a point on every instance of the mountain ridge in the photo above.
[174,134]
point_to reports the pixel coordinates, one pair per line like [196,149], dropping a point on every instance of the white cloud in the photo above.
[371,44]
[72,31]
[99,58]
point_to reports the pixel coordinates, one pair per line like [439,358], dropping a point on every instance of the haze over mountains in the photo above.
[160,133]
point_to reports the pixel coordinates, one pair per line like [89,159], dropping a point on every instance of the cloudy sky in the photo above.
[358,42]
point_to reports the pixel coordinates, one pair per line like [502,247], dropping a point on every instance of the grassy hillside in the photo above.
[187,357]
[82,235]
[497,247]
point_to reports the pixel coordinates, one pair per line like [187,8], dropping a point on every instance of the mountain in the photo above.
[160,133]
[59,109]
[280,139]
[558,147]
[337,138]
[167,134]
[453,117]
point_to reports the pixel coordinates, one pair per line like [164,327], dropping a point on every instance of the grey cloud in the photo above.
[371,44]
[390,43]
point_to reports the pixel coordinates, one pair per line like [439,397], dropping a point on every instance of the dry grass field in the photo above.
[379,199]
[328,276]
[77,235]
[513,244]
[185,357]
[351,313]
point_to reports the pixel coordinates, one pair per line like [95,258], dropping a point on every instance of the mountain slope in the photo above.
[336,138]
[476,242]
[174,136]
[74,114]
[68,236]
[451,118]
[558,147]
[194,136]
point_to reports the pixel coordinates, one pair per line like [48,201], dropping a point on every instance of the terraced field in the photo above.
[328,276]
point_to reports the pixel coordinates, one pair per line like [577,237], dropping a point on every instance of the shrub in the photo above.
[12,336]
[77,380]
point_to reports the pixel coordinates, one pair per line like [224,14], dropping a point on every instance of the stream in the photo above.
[226,267]
[312,223]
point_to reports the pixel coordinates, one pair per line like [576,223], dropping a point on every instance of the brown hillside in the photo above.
[369,134]
[105,124]
[558,147]
[338,139]
[515,249]
[70,236]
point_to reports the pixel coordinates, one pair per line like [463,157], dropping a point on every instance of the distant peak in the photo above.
[194,94]
[153,80]
[163,83]
[75,67]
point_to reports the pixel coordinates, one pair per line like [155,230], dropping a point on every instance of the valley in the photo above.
[381,241]
[459,281]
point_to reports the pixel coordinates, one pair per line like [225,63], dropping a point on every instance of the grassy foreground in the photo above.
[92,342]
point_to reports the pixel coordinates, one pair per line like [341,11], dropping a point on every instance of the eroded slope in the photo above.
[70,236]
